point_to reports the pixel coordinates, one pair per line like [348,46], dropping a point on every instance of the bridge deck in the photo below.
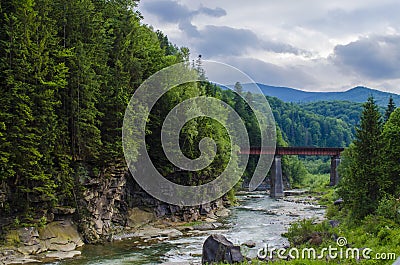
[294,150]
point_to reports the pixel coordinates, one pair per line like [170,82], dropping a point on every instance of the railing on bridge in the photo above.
[294,150]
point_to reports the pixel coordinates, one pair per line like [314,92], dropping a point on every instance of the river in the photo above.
[257,218]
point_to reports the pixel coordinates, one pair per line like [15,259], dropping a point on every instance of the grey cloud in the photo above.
[174,12]
[222,40]
[168,11]
[280,47]
[272,74]
[373,57]
[189,29]
[214,40]
[217,12]
[340,20]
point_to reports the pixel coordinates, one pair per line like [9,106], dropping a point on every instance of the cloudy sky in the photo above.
[312,45]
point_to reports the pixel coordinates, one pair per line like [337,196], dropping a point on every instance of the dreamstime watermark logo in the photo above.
[137,115]
[340,251]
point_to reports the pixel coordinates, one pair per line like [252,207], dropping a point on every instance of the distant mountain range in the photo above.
[356,94]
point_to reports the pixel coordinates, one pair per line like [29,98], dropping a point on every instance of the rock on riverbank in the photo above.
[57,240]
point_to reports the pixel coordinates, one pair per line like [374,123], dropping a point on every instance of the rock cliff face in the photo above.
[102,206]
[113,202]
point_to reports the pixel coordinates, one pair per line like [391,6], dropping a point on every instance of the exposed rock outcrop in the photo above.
[103,207]
[60,236]
[113,203]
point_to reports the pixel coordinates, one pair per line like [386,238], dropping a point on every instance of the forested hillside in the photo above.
[68,70]
[349,112]
[306,127]
[357,94]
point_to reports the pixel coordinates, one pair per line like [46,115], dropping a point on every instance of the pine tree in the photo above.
[128,65]
[390,166]
[390,108]
[83,35]
[360,174]
[238,88]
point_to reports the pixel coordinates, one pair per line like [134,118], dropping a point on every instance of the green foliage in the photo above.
[370,172]
[32,75]
[317,165]
[42,221]
[349,112]
[302,231]
[389,177]
[360,182]
[316,182]
[389,207]
[296,171]
[379,234]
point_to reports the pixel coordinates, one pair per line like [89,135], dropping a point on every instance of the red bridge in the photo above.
[276,169]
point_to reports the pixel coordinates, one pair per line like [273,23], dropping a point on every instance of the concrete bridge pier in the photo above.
[276,178]
[335,161]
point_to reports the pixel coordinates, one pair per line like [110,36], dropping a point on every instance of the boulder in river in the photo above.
[217,249]
[222,212]
[249,244]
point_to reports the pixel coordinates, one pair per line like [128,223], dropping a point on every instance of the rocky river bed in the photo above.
[256,221]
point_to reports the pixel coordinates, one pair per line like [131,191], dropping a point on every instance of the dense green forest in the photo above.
[371,164]
[347,111]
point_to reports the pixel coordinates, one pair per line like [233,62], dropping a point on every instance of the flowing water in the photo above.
[258,218]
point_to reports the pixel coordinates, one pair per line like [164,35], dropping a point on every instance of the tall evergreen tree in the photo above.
[359,186]
[128,65]
[390,108]
[83,35]
[390,164]
[238,88]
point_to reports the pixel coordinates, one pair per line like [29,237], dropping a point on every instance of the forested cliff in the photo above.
[68,70]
